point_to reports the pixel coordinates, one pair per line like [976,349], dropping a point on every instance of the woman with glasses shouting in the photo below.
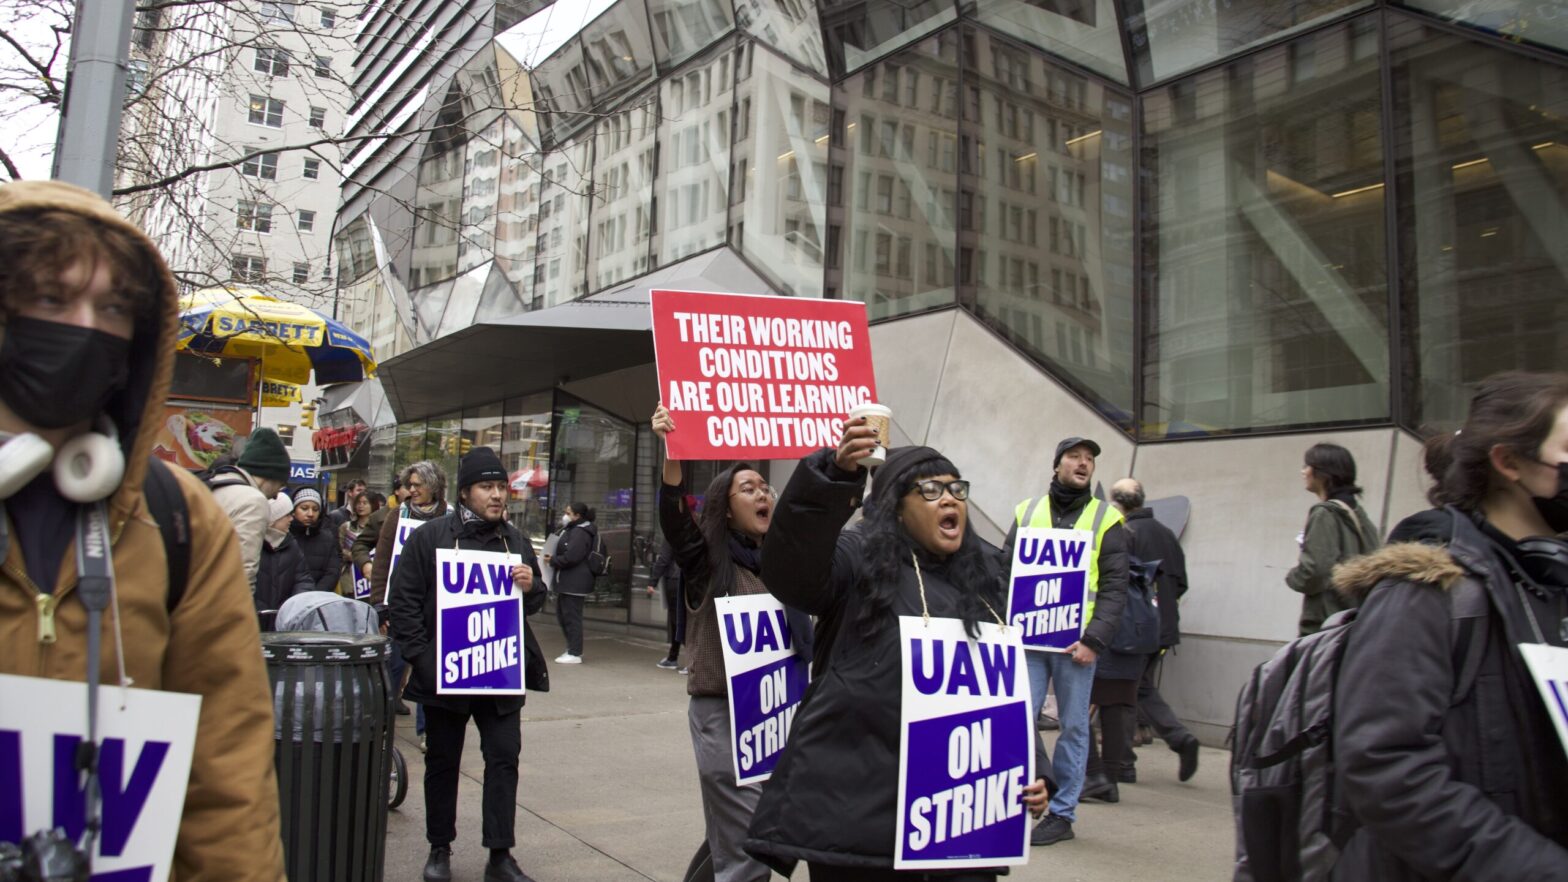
[832,801]
[720,554]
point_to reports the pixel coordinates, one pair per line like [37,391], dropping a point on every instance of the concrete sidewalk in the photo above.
[608,790]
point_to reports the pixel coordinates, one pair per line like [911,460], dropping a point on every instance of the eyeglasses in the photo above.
[931,490]
[755,491]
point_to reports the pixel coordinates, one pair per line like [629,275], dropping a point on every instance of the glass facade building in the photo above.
[1202,218]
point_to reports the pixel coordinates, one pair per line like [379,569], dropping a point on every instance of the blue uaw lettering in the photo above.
[958,674]
[771,632]
[1050,552]
[460,578]
[124,796]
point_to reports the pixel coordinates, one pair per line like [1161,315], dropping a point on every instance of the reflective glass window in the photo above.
[467,289]
[896,170]
[560,270]
[429,306]
[1481,159]
[787,26]
[594,462]
[625,152]
[1535,21]
[481,186]
[618,51]
[499,299]
[443,440]
[1045,215]
[778,212]
[1171,36]
[695,104]
[517,211]
[482,427]
[525,452]
[682,28]
[862,31]
[1084,31]
[561,92]
[1266,300]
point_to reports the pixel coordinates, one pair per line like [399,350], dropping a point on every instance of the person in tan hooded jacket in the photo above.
[77,278]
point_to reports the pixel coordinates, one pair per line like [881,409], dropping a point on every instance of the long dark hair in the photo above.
[714,523]
[1335,466]
[1516,409]
[972,569]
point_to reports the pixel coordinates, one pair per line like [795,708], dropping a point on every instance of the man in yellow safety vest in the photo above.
[1070,506]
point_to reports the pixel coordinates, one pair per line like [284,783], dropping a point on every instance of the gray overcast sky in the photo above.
[29,129]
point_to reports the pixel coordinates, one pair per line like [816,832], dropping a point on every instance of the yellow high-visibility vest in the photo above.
[1097,518]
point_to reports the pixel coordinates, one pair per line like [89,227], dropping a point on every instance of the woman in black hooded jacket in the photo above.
[832,800]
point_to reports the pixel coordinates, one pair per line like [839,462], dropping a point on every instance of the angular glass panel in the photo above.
[517,212]
[682,28]
[499,299]
[1045,215]
[525,452]
[618,51]
[862,31]
[787,26]
[466,291]
[429,306]
[1171,36]
[516,93]
[561,95]
[1083,31]
[623,168]
[439,199]
[895,181]
[696,103]
[560,271]
[1543,22]
[778,207]
[481,183]
[1266,301]
[1481,159]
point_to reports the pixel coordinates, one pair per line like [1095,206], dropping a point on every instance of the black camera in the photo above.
[45,856]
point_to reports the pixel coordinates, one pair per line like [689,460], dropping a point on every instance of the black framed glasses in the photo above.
[931,490]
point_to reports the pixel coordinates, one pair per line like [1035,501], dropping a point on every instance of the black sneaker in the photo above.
[438,867]
[1099,788]
[1127,774]
[1052,830]
[1189,759]
[504,868]
[1048,723]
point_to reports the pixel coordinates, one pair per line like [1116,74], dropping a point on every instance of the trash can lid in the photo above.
[317,647]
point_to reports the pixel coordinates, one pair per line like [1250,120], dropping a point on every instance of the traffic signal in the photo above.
[464,445]
[307,414]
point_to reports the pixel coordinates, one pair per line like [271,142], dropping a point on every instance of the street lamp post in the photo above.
[89,134]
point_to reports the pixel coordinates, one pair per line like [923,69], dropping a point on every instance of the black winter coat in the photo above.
[1149,540]
[1476,790]
[834,793]
[572,575]
[281,574]
[323,558]
[412,612]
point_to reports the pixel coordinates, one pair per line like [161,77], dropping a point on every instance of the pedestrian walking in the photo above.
[88,318]
[1466,786]
[1069,505]
[318,541]
[244,491]
[284,570]
[365,507]
[479,523]
[833,798]
[574,577]
[666,570]
[1338,529]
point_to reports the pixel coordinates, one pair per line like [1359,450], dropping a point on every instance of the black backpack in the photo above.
[598,558]
[168,508]
[1138,632]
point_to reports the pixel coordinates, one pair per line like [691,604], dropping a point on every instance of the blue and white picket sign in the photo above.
[146,740]
[362,581]
[1549,666]
[479,623]
[405,528]
[766,681]
[966,747]
[1048,591]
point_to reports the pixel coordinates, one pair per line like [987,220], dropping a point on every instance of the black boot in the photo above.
[503,868]
[438,867]
[1189,758]
[1100,788]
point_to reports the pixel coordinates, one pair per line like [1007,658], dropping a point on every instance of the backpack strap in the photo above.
[167,504]
[1355,522]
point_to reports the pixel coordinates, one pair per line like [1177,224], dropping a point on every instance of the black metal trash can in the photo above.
[333,743]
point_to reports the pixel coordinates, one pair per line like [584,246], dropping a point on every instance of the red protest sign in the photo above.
[755,377]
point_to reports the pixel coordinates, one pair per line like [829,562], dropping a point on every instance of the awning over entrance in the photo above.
[611,331]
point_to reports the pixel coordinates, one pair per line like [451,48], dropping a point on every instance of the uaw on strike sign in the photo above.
[145,739]
[748,376]
[766,681]
[1049,596]
[966,749]
[479,623]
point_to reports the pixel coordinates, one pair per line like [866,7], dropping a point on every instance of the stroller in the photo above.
[328,612]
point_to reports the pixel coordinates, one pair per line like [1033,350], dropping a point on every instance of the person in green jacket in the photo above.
[1337,529]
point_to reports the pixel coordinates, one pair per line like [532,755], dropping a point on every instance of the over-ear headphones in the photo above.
[86,469]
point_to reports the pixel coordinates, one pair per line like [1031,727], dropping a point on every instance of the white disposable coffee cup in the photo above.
[881,417]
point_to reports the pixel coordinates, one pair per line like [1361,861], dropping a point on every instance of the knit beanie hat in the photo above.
[307,494]
[265,456]
[893,478]
[279,507]
[481,464]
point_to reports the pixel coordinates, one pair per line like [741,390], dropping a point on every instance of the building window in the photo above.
[260,165]
[301,273]
[329,18]
[277,12]
[318,117]
[253,216]
[249,269]
[135,78]
[312,168]
[323,66]
[307,221]
[266,111]
[272,61]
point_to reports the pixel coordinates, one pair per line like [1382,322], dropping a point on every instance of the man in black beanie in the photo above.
[478,524]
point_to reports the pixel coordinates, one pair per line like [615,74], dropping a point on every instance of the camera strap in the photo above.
[95,586]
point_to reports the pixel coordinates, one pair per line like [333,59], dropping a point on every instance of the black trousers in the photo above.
[500,742]
[569,609]
[1151,705]
[828,873]
[1118,718]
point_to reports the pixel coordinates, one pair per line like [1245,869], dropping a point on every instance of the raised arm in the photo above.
[807,562]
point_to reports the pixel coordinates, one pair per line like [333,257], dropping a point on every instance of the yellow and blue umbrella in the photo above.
[289,339]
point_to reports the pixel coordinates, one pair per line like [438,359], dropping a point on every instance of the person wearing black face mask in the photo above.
[1445,752]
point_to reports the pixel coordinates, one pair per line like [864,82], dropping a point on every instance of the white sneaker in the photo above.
[568,659]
